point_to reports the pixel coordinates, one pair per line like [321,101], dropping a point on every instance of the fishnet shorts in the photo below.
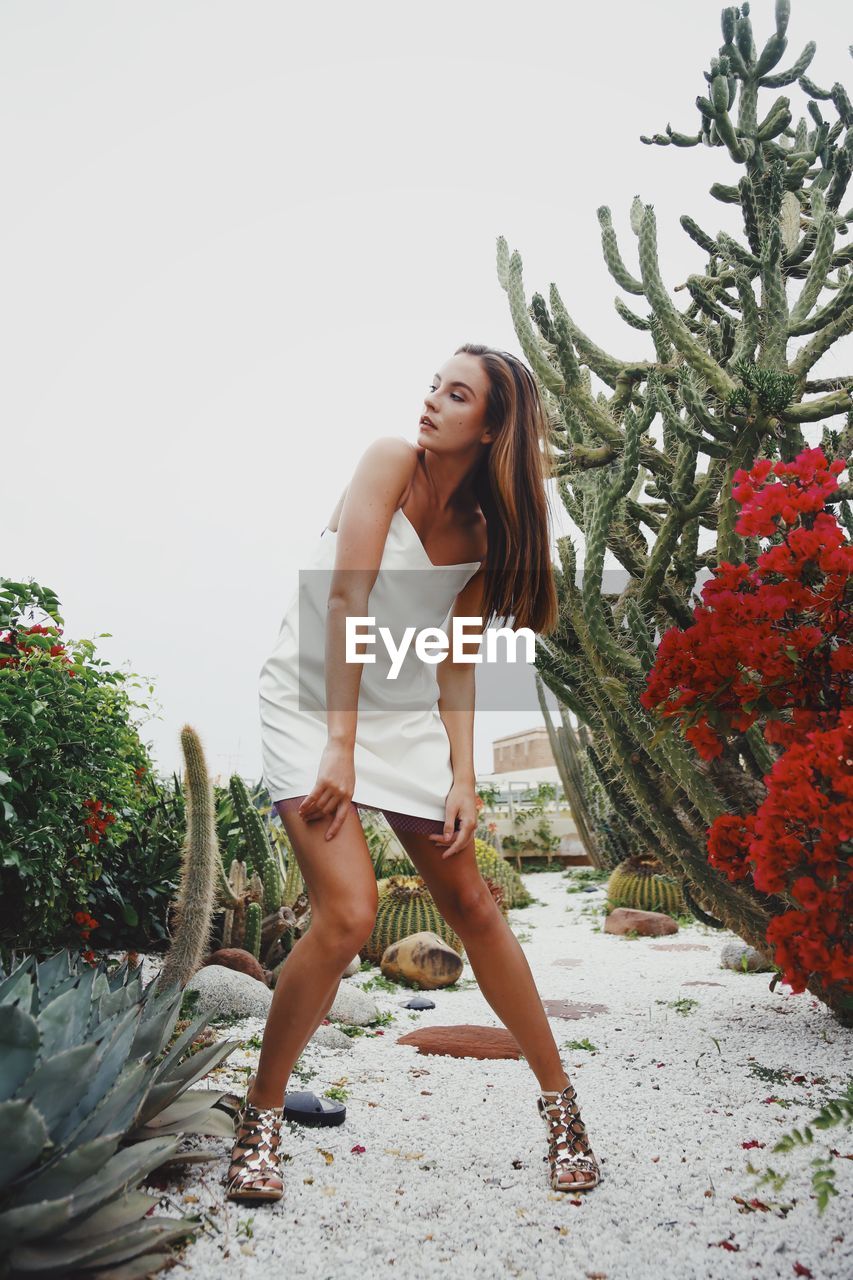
[397,821]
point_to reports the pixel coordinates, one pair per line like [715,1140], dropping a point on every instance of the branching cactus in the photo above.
[646,465]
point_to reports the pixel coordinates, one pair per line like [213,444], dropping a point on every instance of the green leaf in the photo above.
[23,1135]
[19,1046]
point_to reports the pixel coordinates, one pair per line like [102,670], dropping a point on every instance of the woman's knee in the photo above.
[345,927]
[472,907]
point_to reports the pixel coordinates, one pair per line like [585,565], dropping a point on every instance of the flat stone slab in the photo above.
[573,1009]
[699,983]
[568,962]
[464,1041]
[680,946]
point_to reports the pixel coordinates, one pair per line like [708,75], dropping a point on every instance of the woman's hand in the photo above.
[461,807]
[333,789]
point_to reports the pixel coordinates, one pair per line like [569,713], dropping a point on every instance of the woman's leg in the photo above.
[500,966]
[495,954]
[341,884]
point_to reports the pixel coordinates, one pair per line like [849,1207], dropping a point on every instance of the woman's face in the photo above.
[456,405]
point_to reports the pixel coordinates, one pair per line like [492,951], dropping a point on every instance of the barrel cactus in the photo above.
[493,865]
[642,883]
[406,906]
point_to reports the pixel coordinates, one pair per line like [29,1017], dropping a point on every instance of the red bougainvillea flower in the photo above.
[775,644]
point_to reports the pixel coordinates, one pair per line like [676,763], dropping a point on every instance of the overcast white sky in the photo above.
[238,239]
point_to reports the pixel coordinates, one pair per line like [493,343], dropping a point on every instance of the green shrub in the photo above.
[71,762]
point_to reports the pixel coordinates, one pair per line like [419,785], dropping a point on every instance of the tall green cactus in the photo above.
[720,385]
[258,848]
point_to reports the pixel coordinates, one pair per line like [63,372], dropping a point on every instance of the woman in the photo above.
[411,539]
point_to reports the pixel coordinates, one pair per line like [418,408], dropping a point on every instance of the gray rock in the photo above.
[354,966]
[732,957]
[227,991]
[353,1007]
[329,1037]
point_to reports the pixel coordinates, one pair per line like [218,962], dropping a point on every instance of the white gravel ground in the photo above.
[452,1181]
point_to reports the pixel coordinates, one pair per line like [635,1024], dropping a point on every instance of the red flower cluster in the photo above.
[777,644]
[88,923]
[17,639]
[95,824]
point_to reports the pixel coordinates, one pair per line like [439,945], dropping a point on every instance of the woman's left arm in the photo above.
[457,690]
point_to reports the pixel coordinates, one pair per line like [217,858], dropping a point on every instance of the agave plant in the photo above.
[92,1099]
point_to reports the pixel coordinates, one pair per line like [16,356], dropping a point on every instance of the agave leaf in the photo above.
[124,1171]
[61,1177]
[112,1054]
[19,1046]
[140,1268]
[186,1074]
[194,1112]
[62,1023]
[183,1041]
[158,1020]
[43,1218]
[118,1213]
[115,1113]
[100,988]
[23,1135]
[51,1086]
[113,1246]
[114,1002]
[101,1177]
[86,983]
[19,986]
[51,972]
[66,984]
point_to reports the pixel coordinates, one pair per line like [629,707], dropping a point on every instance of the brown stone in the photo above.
[464,1041]
[680,946]
[648,924]
[422,958]
[568,1009]
[242,961]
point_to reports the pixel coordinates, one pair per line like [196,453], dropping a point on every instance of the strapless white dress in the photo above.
[402,752]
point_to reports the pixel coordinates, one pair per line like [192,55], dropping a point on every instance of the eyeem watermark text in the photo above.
[432,645]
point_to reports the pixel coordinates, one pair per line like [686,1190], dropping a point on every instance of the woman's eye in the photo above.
[432,387]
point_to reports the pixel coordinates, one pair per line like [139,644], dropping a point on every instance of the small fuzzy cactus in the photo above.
[199,871]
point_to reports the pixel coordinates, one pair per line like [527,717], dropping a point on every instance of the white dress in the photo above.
[402,752]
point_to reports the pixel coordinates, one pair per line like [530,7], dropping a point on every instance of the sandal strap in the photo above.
[257,1159]
[568,1146]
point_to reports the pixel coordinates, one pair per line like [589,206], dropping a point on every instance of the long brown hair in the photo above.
[510,486]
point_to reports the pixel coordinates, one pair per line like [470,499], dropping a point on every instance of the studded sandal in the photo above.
[569,1152]
[255,1170]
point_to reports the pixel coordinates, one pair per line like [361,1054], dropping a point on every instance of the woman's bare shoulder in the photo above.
[387,462]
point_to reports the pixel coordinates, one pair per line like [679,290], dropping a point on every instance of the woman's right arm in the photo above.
[381,478]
